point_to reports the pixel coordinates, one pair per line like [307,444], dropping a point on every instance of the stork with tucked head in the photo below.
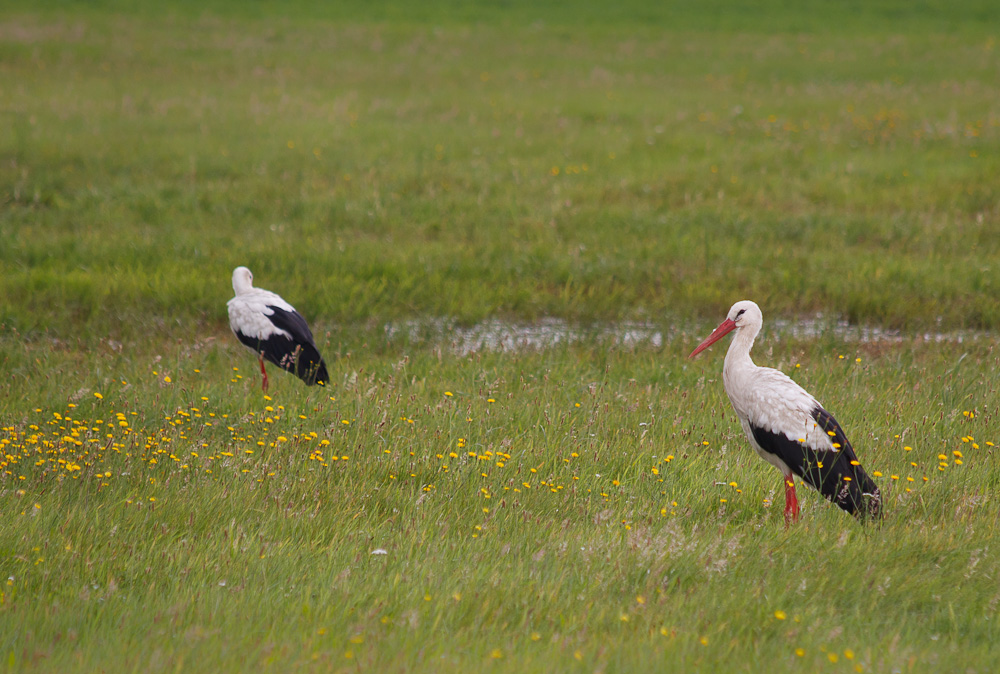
[272,328]
[787,426]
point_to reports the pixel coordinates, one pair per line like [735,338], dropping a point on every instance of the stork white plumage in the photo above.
[787,426]
[272,328]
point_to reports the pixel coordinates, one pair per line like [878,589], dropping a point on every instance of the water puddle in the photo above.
[496,335]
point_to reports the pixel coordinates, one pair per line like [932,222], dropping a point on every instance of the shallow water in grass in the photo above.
[497,335]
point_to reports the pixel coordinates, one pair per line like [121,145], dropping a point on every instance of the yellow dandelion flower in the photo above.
[780,615]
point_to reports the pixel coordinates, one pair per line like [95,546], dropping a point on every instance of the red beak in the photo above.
[724,329]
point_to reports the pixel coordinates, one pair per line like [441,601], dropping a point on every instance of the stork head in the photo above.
[743,314]
[242,280]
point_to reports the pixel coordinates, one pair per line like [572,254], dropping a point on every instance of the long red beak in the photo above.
[724,329]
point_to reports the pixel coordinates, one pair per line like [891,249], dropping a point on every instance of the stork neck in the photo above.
[738,356]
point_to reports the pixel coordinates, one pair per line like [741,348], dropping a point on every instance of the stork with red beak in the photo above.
[788,427]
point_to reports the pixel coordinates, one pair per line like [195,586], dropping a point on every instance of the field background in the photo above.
[602,180]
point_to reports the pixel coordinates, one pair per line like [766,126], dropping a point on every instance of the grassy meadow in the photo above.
[403,171]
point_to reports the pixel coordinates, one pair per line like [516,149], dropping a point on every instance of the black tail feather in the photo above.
[840,477]
[309,366]
[853,490]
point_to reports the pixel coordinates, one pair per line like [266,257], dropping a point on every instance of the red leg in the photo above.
[263,372]
[791,502]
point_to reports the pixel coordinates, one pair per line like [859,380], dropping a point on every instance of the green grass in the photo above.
[583,166]
[590,506]
[576,507]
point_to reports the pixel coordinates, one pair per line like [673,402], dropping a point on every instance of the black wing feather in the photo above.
[826,470]
[296,354]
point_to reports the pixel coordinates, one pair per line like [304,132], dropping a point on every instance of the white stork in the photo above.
[787,426]
[272,328]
